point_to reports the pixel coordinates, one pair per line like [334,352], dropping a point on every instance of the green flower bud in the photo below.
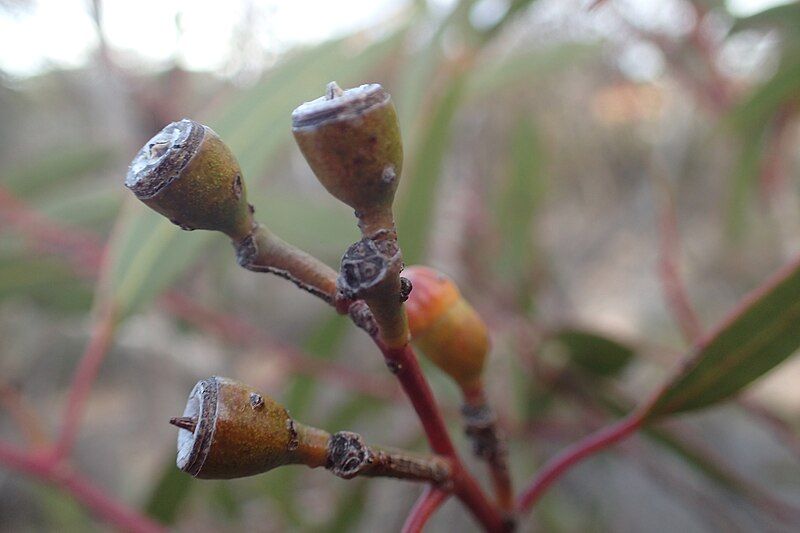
[186,173]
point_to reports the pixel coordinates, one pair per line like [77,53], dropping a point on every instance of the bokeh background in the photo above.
[560,155]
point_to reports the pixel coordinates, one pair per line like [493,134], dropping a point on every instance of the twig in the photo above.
[773,166]
[590,445]
[83,250]
[25,417]
[238,331]
[82,489]
[672,285]
[709,94]
[489,443]
[85,375]
[414,385]
[427,504]
[403,363]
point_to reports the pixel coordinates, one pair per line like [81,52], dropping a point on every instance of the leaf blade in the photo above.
[734,356]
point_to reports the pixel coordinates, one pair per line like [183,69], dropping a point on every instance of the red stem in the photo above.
[427,504]
[773,166]
[590,445]
[671,282]
[241,332]
[83,250]
[408,372]
[84,377]
[403,363]
[82,489]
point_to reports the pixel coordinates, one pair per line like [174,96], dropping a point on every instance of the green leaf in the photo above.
[515,208]
[763,332]
[61,512]
[56,168]
[44,281]
[595,353]
[147,254]
[87,205]
[527,67]
[748,166]
[785,16]
[420,182]
[752,120]
[169,493]
[762,104]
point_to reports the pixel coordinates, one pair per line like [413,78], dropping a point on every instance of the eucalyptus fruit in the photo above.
[186,173]
[351,140]
[230,430]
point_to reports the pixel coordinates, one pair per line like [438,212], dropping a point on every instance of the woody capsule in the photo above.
[351,140]
[231,430]
[189,175]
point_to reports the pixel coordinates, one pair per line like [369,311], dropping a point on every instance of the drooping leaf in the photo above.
[147,254]
[748,165]
[226,501]
[56,169]
[350,508]
[515,209]
[86,205]
[45,281]
[763,332]
[526,67]
[753,120]
[420,182]
[760,105]
[598,354]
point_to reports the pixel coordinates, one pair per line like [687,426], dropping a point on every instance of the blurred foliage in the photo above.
[525,177]
[595,353]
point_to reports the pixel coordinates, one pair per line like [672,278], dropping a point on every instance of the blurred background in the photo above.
[563,158]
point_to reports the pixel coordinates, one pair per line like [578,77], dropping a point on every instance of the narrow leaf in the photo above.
[760,334]
[515,207]
[420,182]
[595,353]
[147,255]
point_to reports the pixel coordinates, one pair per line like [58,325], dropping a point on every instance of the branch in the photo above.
[675,293]
[238,331]
[83,251]
[25,417]
[427,504]
[559,465]
[85,375]
[80,488]
[403,362]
